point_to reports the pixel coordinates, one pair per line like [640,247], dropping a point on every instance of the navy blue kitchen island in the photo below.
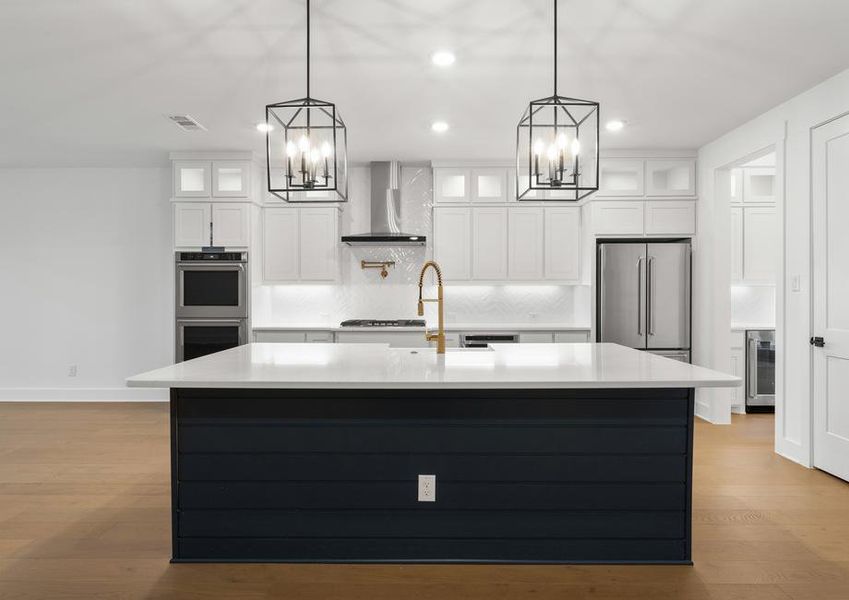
[540,473]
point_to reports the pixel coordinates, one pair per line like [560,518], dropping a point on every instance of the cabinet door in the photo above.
[230,224]
[674,177]
[567,337]
[318,244]
[280,337]
[620,177]
[563,244]
[760,244]
[536,337]
[525,244]
[231,178]
[669,217]
[759,184]
[452,242]
[191,224]
[451,185]
[280,244]
[489,243]
[736,244]
[192,178]
[618,218]
[489,185]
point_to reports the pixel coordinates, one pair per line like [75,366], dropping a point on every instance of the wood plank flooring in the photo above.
[84,513]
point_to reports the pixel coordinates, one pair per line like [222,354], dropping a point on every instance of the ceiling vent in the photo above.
[187,123]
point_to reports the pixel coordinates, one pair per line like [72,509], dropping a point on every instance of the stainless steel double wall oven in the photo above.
[211,302]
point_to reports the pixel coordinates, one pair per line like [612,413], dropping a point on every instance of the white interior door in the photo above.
[830,187]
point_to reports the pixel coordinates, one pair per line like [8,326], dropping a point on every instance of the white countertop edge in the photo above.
[337,385]
[753,326]
[448,327]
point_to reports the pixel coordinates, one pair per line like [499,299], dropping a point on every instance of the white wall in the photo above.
[86,280]
[788,128]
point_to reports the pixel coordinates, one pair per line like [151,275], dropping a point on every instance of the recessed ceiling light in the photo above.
[443,58]
[264,127]
[614,125]
[439,126]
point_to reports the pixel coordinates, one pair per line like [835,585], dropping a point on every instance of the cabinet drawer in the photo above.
[561,337]
[625,217]
[279,336]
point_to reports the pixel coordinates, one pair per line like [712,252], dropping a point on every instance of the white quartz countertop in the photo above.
[270,365]
[744,326]
[448,327]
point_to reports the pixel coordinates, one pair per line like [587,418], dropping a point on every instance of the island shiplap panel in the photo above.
[522,475]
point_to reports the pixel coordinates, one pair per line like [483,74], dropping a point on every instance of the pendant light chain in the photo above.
[308,48]
[555,47]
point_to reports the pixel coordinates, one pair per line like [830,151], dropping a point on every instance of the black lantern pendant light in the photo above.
[557,146]
[306,147]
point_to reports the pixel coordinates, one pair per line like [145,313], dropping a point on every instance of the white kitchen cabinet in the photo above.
[671,177]
[199,224]
[211,179]
[536,337]
[525,244]
[489,184]
[618,217]
[300,244]
[231,178]
[760,244]
[451,185]
[280,245]
[280,337]
[670,217]
[452,241]
[489,243]
[620,177]
[319,337]
[192,178]
[759,185]
[231,223]
[736,243]
[563,243]
[738,368]
[565,337]
[192,222]
[319,244]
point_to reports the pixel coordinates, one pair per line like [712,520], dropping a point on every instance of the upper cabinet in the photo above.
[563,243]
[620,177]
[200,224]
[646,178]
[452,184]
[754,228]
[489,185]
[300,244]
[452,241]
[489,241]
[525,244]
[671,177]
[212,179]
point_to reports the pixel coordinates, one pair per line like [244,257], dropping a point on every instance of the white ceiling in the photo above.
[88,82]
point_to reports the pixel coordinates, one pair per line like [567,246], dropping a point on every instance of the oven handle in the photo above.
[752,375]
[211,267]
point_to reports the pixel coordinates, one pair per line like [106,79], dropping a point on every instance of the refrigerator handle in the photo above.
[752,375]
[640,295]
[649,307]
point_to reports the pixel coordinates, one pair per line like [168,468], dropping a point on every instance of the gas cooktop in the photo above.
[383,323]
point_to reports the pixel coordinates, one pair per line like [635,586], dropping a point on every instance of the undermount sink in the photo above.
[447,350]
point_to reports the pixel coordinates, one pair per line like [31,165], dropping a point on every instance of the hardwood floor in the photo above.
[84,513]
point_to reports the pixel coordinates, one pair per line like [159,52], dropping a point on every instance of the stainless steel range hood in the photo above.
[385,211]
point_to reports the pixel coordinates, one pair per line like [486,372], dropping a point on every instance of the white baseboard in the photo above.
[83,395]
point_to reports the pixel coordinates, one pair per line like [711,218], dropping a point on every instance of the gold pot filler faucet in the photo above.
[440,335]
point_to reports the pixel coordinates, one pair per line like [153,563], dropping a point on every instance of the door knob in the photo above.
[817,342]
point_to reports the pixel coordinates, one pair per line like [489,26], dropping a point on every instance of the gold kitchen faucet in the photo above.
[440,335]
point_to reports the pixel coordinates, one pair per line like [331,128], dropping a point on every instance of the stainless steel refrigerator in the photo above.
[643,297]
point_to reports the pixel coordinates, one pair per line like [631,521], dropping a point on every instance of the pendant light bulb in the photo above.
[291,149]
[562,141]
[552,152]
[539,147]
[576,147]
[304,144]
[315,155]
[326,150]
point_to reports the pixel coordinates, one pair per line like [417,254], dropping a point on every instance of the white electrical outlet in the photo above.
[427,488]
[796,284]
[72,371]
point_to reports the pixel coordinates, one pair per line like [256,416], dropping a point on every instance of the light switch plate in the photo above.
[427,488]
